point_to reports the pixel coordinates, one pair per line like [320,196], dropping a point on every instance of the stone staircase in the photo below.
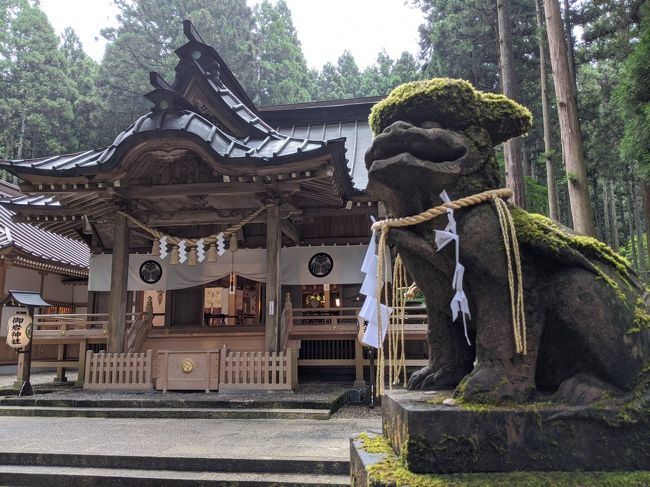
[64,470]
[192,406]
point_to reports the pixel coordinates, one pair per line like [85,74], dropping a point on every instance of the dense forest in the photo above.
[581,66]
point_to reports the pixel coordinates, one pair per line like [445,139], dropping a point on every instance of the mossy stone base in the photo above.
[433,438]
[387,470]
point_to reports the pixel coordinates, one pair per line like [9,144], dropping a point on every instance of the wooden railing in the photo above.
[82,330]
[136,332]
[258,370]
[319,321]
[118,371]
[71,325]
[305,323]
[327,337]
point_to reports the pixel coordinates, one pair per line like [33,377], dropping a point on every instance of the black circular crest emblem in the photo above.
[150,271]
[320,265]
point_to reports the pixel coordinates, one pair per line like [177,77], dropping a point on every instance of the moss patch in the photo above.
[392,472]
[376,444]
[538,231]
[453,103]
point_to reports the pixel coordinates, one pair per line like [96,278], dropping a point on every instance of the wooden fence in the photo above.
[118,371]
[258,370]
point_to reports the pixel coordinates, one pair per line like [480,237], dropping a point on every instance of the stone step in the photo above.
[20,475]
[320,466]
[173,403]
[151,412]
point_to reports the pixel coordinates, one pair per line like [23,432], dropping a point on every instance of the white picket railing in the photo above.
[258,370]
[118,371]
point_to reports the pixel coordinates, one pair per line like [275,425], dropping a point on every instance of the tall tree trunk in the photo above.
[612,213]
[595,202]
[551,177]
[513,149]
[630,220]
[606,217]
[570,46]
[645,193]
[581,211]
[21,139]
[639,231]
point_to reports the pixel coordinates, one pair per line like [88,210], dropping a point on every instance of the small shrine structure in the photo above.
[218,225]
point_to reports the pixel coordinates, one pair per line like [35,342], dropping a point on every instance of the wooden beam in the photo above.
[231,188]
[364,209]
[291,231]
[206,217]
[273,304]
[119,279]
[167,190]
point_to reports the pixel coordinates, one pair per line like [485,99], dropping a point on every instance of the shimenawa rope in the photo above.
[396,321]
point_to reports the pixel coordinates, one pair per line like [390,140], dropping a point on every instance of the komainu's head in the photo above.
[438,134]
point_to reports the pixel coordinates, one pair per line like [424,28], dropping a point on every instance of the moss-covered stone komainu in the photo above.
[586,311]
[453,103]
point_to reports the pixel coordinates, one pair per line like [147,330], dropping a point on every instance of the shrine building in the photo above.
[217,226]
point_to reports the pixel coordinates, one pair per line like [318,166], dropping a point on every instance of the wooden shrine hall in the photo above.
[223,235]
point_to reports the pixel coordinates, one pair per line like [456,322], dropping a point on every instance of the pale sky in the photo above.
[325,27]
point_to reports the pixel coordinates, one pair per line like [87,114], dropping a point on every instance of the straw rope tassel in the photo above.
[515,279]
[398,364]
[381,259]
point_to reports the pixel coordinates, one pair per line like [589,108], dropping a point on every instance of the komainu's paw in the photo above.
[493,384]
[429,378]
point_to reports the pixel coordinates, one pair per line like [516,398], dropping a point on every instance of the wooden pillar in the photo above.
[273,236]
[24,370]
[232,299]
[81,375]
[3,277]
[119,278]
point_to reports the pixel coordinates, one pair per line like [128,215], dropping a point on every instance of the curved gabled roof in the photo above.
[38,243]
[274,149]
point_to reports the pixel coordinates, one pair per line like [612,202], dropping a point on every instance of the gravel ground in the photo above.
[322,392]
[7,378]
[357,411]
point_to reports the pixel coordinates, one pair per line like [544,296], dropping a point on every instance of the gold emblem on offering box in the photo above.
[187,365]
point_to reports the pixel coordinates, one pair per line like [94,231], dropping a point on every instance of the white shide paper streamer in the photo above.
[459,304]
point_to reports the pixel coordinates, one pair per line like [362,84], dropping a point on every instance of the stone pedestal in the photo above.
[436,438]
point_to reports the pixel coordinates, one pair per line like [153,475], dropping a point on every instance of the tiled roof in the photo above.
[358,138]
[272,149]
[324,120]
[37,242]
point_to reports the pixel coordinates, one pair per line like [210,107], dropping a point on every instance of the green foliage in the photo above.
[536,196]
[38,92]
[346,80]
[284,76]
[145,40]
[633,94]
[455,104]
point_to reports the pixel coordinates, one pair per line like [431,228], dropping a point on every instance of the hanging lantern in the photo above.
[233,242]
[174,258]
[19,331]
[212,253]
[193,259]
[155,248]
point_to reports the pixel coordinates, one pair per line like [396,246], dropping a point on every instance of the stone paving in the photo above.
[277,439]
[211,438]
